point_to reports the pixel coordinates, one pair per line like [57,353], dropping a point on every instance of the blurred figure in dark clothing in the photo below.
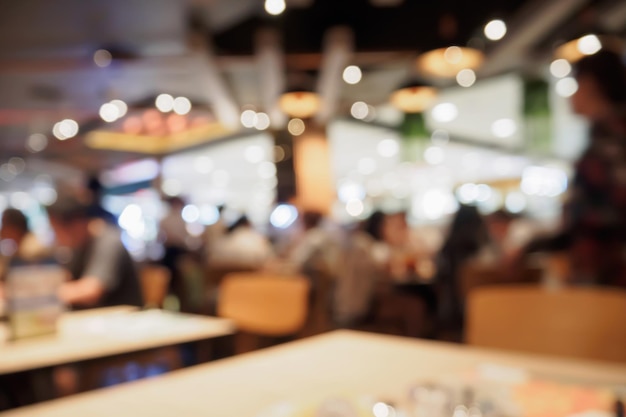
[94,197]
[594,221]
[467,236]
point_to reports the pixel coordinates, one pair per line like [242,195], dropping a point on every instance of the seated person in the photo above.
[17,241]
[102,273]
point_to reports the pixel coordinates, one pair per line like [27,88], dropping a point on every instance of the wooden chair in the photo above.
[155,280]
[577,322]
[263,305]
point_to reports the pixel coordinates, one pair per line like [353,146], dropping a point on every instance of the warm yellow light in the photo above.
[589,44]
[295,127]
[301,104]
[447,62]
[413,99]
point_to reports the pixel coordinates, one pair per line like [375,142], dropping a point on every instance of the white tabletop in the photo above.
[338,363]
[104,332]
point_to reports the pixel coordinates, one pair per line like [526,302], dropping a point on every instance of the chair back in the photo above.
[263,304]
[155,281]
[576,322]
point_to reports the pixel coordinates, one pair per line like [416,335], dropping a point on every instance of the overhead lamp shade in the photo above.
[413,98]
[589,44]
[447,62]
[299,103]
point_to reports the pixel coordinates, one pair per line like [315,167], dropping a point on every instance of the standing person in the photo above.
[362,266]
[102,273]
[173,231]
[595,217]
[467,236]
[594,222]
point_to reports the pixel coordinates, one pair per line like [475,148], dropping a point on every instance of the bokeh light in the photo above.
[352,74]
[495,30]
[466,77]
[560,68]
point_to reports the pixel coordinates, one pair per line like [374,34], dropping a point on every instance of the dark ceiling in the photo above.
[411,26]
[46,48]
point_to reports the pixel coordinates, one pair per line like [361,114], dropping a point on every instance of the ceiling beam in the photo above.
[528,28]
[337,52]
[212,83]
[270,62]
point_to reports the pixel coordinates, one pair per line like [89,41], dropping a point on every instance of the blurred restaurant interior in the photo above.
[330,208]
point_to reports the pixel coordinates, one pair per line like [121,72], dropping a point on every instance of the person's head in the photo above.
[468,227]
[499,223]
[601,86]
[374,225]
[311,219]
[70,219]
[239,223]
[395,228]
[14,225]
[176,204]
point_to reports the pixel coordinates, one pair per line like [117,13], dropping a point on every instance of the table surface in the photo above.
[337,363]
[102,332]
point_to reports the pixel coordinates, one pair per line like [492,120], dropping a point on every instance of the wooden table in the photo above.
[341,362]
[99,333]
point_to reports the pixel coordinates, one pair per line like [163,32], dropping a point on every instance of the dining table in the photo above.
[106,332]
[287,380]
[104,346]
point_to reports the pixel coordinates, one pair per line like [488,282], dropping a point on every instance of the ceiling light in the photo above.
[296,127]
[36,142]
[122,108]
[413,97]
[275,7]
[495,30]
[355,208]
[181,105]
[566,87]
[190,213]
[171,187]
[560,68]
[65,129]
[283,216]
[352,74]
[447,62]
[299,103]
[69,128]
[444,112]
[248,118]
[588,44]
[359,110]
[102,58]
[165,103]
[466,77]
[109,112]
[262,121]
